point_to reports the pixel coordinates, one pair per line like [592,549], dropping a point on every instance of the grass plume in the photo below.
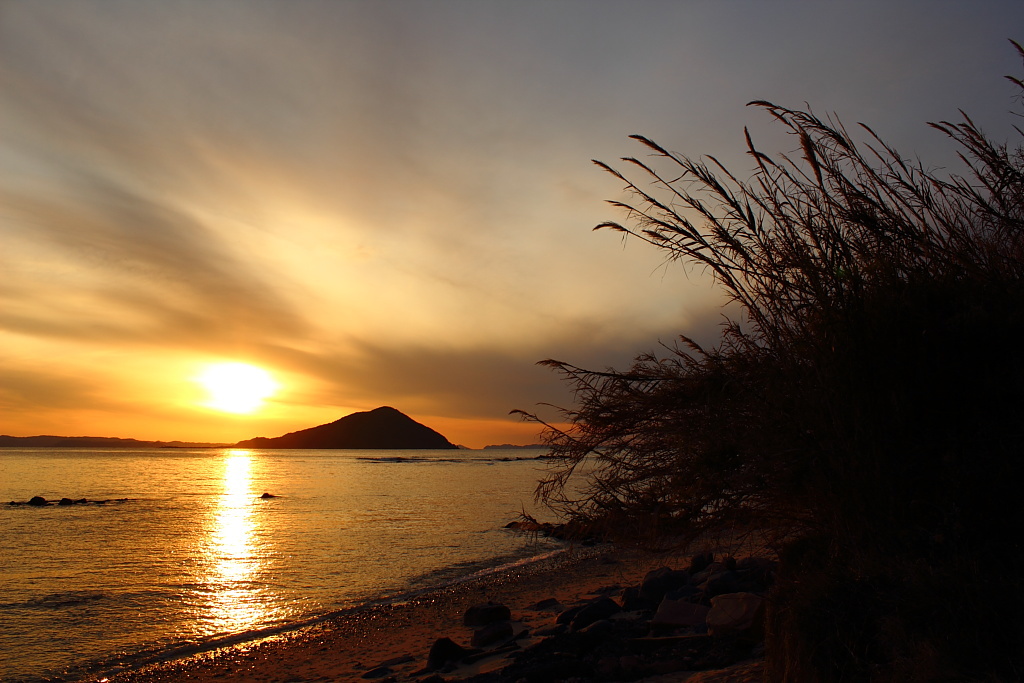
[863,409]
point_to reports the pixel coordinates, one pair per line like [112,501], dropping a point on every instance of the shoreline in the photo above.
[391,640]
[157,657]
[441,606]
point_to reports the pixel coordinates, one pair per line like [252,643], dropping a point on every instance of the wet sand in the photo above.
[391,642]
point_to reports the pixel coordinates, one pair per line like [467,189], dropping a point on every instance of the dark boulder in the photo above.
[556,666]
[545,605]
[599,609]
[379,672]
[443,651]
[632,602]
[660,581]
[700,562]
[482,615]
[268,495]
[38,501]
[568,615]
[432,678]
[691,593]
[65,501]
[498,632]
[721,583]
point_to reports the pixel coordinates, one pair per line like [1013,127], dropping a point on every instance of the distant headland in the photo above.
[96,442]
[383,427]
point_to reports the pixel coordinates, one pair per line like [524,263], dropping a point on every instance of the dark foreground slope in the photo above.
[383,427]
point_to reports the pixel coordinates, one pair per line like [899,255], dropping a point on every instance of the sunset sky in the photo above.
[391,203]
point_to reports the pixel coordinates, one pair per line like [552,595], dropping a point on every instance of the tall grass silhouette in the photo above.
[863,410]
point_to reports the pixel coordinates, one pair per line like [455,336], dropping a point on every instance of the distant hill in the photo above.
[505,446]
[382,427]
[95,442]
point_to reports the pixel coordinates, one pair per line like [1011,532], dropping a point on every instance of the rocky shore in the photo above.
[591,615]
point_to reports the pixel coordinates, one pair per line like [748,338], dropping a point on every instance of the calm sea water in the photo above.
[186,549]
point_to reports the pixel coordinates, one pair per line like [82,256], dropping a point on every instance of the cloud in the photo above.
[122,267]
[27,391]
[477,382]
[395,199]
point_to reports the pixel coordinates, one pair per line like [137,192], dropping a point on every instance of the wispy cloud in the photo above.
[393,200]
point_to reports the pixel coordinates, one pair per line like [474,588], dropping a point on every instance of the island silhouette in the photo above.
[380,428]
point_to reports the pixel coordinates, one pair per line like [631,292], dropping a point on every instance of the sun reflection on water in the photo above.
[235,603]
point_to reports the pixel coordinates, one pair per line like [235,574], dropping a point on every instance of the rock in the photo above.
[544,605]
[599,609]
[632,602]
[757,574]
[556,630]
[689,593]
[556,666]
[660,581]
[702,576]
[754,562]
[401,659]
[81,501]
[379,672]
[721,583]
[482,615]
[599,628]
[679,613]
[65,501]
[444,650]
[492,633]
[267,495]
[700,562]
[14,502]
[607,668]
[734,613]
[568,615]
[530,525]
[38,501]
[631,667]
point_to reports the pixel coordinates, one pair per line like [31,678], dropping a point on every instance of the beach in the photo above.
[391,642]
[353,571]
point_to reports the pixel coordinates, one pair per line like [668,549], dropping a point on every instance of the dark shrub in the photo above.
[862,410]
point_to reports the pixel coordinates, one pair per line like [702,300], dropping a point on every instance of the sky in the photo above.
[392,203]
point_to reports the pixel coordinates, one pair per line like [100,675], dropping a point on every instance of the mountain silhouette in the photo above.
[383,427]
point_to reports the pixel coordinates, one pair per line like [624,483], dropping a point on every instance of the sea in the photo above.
[179,547]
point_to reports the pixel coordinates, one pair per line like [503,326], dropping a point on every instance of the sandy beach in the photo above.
[392,642]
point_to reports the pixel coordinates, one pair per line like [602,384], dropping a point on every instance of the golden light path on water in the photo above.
[235,604]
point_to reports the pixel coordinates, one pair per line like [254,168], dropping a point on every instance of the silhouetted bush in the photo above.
[864,409]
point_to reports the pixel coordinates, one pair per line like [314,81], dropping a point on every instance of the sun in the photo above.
[236,387]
